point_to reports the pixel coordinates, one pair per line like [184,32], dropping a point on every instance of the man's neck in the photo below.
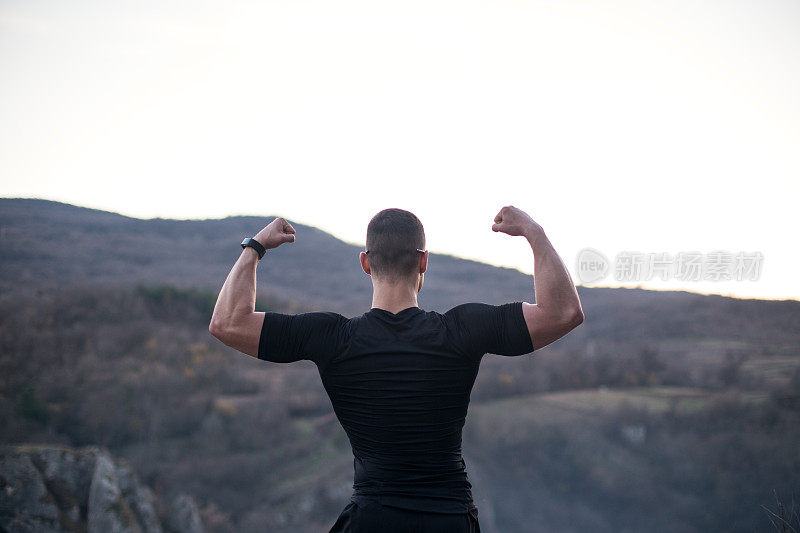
[394,298]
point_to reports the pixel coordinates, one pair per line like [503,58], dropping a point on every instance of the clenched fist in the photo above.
[514,221]
[275,233]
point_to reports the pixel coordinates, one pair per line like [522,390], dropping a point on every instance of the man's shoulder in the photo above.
[479,312]
[327,319]
[330,315]
[469,307]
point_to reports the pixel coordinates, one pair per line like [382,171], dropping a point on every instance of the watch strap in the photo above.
[255,245]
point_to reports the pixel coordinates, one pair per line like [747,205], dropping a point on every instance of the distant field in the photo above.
[580,404]
[776,370]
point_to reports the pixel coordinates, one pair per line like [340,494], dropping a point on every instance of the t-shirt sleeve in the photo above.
[477,329]
[316,336]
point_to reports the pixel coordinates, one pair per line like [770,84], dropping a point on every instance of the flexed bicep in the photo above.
[242,334]
[545,327]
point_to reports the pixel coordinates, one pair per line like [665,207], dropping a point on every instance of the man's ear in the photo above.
[423,263]
[365,263]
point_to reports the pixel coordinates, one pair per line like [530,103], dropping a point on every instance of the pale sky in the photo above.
[654,127]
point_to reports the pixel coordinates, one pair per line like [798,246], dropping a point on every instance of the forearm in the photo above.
[555,292]
[238,295]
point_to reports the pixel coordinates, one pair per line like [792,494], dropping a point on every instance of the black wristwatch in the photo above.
[255,245]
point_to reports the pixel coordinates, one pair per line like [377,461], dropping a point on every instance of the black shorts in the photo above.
[372,516]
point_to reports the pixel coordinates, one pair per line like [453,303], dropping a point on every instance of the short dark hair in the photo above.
[393,236]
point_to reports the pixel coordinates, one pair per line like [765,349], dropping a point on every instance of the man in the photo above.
[399,378]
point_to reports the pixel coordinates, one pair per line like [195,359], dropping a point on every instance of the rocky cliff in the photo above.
[55,489]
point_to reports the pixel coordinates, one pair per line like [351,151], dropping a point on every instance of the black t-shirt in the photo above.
[400,386]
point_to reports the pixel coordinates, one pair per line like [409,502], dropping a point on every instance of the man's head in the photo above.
[394,237]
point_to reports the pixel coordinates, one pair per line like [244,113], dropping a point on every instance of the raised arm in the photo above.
[235,321]
[557,310]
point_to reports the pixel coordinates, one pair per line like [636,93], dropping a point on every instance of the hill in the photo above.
[664,411]
[46,244]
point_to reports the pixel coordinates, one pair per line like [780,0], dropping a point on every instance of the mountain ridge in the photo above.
[663,410]
[96,248]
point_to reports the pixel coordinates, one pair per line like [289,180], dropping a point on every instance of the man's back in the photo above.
[400,385]
[399,378]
